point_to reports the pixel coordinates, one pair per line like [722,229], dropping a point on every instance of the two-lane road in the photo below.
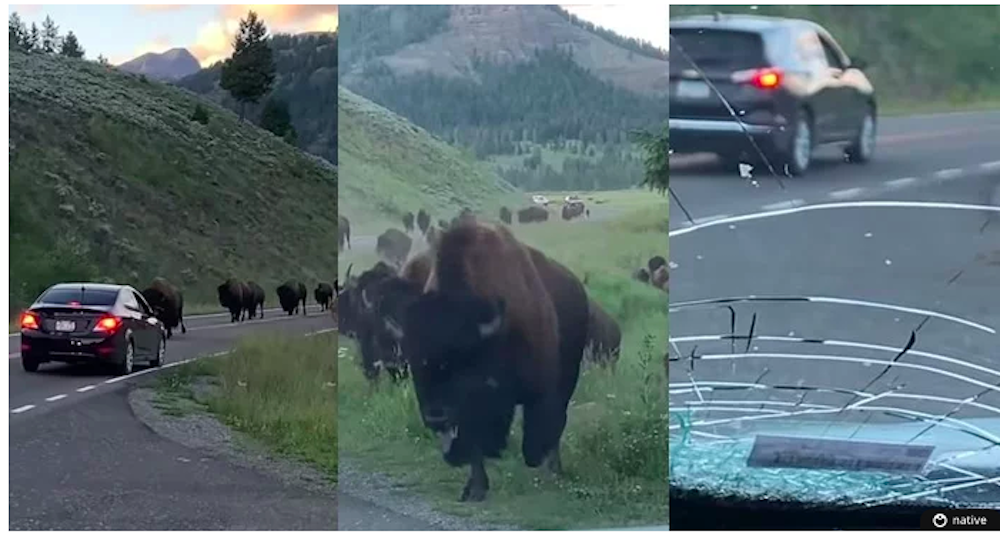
[80,459]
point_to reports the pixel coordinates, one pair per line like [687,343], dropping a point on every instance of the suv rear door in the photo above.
[826,92]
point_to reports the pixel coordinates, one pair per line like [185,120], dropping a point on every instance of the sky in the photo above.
[122,32]
[646,21]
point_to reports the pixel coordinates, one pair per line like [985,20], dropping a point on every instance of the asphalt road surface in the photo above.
[942,260]
[80,460]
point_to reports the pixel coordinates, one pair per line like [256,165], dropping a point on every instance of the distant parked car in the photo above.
[540,199]
[789,86]
[92,323]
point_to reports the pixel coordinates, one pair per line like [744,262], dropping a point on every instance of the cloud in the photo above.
[27,9]
[215,39]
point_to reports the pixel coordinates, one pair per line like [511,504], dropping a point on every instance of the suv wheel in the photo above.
[29,363]
[797,156]
[128,359]
[862,148]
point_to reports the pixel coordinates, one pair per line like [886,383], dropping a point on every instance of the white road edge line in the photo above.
[23,409]
[56,398]
[845,194]
[990,165]
[948,174]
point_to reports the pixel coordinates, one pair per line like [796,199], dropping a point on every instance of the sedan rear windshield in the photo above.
[79,296]
[717,49]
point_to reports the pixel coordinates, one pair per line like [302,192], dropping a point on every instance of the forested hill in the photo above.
[526,86]
[915,52]
[306,67]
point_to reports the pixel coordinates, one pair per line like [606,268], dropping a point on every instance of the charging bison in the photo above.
[394,246]
[291,294]
[253,300]
[324,295]
[362,306]
[423,221]
[532,214]
[498,324]
[344,231]
[408,221]
[572,210]
[167,303]
[231,297]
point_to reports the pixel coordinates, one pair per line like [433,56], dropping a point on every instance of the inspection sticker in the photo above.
[837,454]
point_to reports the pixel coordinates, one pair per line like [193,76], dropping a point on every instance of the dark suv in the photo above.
[785,83]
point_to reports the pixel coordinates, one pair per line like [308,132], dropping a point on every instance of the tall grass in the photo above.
[615,448]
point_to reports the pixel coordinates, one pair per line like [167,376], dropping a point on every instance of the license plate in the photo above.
[692,89]
[65,326]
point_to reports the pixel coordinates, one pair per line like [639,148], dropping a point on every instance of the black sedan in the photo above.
[91,323]
[745,86]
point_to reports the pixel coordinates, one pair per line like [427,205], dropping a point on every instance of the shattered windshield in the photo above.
[835,256]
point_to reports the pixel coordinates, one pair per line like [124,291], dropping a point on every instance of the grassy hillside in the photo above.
[306,75]
[111,179]
[917,53]
[391,166]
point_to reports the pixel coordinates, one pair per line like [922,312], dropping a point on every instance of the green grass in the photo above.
[111,181]
[280,390]
[615,446]
[902,108]
[392,166]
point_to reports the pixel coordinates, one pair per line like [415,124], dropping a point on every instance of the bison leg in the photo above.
[543,426]
[478,483]
[170,333]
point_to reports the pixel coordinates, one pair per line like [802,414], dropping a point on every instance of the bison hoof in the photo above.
[473,493]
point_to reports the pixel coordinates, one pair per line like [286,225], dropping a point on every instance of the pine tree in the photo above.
[33,40]
[50,36]
[249,73]
[71,47]
[275,117]
[103,60]
[17,34]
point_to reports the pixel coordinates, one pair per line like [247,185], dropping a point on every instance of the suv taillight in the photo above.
[29,321]
[760,78]
[108,324]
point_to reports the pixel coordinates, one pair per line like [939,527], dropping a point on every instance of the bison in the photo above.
[532,214]
[408,221]
[167,303]
[655,263]
[423,221]
[642,275]
[291,294]
[497,325]
[394,246]
[253,300]
[604,336]
[505,215]
[324,295]
[363,306]
[344,231]
[572,210]
[349,305]
[660,277]
[231,297]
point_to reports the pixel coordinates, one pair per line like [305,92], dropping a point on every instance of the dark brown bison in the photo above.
[505,215]
[408,221]
[231,296]
[604,336]
[642,275]
[497,325]
[349,305]
[361,307]
[572,210]
[324,295]
[291,295]
[344,231]
[660,277]
[655,263]
[532,214]
[167,303]
[394,246]
[423,221]
[253,300]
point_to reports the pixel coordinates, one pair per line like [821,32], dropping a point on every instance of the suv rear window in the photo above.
[718,49]
[88,297]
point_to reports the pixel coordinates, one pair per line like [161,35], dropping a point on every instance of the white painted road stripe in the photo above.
[948,174]
[901,182]
[845,194]
[795,202]
[55,398]
[990,165]
[23,409]
[85,389]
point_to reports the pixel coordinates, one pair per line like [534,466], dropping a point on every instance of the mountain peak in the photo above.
[170,65]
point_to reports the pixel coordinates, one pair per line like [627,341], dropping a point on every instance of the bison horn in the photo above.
[364,299]
[393,328]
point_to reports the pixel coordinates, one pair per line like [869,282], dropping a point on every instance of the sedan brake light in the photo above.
[769,78]
[29,321]
[108,324]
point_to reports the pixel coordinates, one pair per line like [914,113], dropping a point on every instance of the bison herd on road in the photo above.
[244,300]
[481,323]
